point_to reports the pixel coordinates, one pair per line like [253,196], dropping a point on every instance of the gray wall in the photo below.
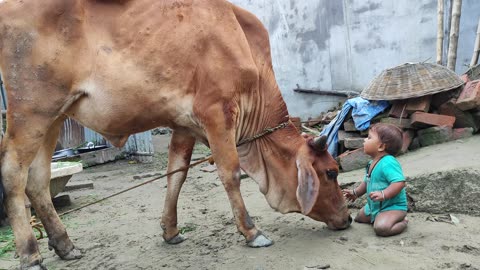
[344,44]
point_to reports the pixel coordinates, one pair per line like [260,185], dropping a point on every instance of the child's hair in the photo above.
[390,135]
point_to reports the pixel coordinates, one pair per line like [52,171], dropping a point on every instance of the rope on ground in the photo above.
[209,159]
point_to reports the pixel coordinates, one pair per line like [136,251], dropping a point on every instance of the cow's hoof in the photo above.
[177,239]
[260,240]
[34,267]
[73,254]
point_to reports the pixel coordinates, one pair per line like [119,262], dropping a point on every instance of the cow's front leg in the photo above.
[229,172]
[179,155]
[221,137]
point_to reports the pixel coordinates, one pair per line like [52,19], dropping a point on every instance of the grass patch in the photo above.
[7,243]
[200,148]
[189,227]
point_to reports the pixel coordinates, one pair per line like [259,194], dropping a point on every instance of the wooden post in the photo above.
[439,31]
[476,47]
[452,47]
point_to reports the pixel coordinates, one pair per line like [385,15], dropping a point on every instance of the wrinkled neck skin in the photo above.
[271,159]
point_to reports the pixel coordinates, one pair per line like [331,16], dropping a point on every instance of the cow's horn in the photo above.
[320,143]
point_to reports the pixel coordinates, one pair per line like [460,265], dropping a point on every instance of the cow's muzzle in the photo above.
[340,224]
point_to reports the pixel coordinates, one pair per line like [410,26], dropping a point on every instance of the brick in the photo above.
[399,122]
[378,118]
[353,160]
[415,144]
[461,133]
[364,133]
[476,118]
[398,109]
[420,104]
[470,96]
[440,98]
[421,119]
[463,119]
[434,135]
[408,136]
[349,125]
[353,143]
[342,135]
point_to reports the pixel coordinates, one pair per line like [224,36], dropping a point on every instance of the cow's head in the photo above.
[318,192]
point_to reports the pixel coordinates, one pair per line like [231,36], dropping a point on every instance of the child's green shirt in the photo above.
[386,172]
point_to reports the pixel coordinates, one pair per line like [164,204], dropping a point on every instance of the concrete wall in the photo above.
[344,44]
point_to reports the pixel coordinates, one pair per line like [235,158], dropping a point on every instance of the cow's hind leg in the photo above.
[19,147]
[179,155]
[38,191]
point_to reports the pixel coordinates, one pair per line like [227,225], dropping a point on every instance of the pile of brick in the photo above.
[426,120]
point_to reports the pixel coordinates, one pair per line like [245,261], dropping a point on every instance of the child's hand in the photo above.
[348,193]
[376,196]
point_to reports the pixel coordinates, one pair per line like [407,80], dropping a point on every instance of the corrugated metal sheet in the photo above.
[92,136]
[4,96]
[72,134]
[137,143]
[140,143]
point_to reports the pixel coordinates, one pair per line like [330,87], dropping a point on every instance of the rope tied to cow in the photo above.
[263,133]
[209,159]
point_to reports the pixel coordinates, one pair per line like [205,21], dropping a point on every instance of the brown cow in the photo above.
[200,67]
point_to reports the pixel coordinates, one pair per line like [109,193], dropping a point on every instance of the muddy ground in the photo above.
[124,232]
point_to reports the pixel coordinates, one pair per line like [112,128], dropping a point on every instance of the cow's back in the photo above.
[156,55]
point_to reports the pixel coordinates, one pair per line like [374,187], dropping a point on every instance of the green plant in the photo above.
[202,149]
[7,243]
[189,227]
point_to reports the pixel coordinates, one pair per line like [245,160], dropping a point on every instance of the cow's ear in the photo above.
[307,189]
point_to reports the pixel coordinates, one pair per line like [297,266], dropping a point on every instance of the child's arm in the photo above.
[388,193]
[353,194]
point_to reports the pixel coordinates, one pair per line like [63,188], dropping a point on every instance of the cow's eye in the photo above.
[332,174]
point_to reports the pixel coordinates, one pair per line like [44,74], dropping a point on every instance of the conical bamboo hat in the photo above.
[411,80]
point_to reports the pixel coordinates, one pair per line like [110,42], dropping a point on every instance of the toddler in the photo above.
[384,182]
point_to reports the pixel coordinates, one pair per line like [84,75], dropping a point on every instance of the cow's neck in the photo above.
[271,159]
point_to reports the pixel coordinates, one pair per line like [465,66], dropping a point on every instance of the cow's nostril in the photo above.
[349,219]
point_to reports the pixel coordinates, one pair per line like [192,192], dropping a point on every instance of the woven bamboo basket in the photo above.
[473,73]
[411,80]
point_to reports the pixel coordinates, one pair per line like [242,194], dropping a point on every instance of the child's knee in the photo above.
[382,227]
[382,230]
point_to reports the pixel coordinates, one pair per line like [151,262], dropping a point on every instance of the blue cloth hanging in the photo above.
[362,112]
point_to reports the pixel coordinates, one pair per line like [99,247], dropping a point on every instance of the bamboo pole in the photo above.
[476,47]
[452,47]
[447,30]
[439,31]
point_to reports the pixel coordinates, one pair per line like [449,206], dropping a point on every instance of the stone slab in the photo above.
[101,156]
[78,185]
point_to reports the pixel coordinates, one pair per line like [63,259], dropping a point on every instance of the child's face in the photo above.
[372,144]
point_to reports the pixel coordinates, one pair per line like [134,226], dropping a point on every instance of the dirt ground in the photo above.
[124,232]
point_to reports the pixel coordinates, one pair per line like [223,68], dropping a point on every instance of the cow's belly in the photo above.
[122,109]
